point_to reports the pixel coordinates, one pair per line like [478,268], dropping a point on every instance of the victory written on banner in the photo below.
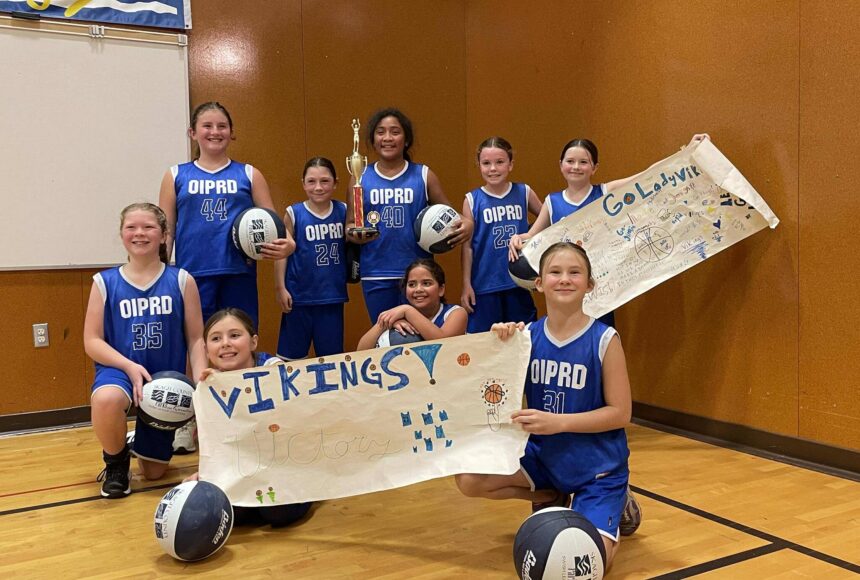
[362,422]
[674,215]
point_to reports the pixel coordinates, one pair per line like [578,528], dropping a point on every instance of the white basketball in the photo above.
[522,273]
[193,520]
[254,227]
[558,544]
[433,226]
[167,403]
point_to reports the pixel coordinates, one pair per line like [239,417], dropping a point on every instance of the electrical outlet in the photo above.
[40,335]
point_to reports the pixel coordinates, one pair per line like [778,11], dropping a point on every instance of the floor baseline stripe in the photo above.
[780,543]
[80,500]
[720,562]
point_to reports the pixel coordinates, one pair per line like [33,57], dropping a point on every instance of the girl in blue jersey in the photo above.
[202,199]
[426,313]
[230,339]
[499,210]
[142,317]
[578,163]
[395,192]
[578,396]
[311,284]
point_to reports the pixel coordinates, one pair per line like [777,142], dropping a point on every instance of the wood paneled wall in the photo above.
[760,335]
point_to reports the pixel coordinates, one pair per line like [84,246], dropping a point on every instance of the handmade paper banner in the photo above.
[676,214]
[362,422]
[161,14]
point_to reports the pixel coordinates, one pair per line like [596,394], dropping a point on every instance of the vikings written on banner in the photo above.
[160,14]
[362,422]
[676,214]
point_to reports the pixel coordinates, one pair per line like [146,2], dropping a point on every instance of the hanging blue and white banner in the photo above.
[160,14]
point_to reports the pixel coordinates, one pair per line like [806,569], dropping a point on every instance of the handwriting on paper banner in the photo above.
[363,421]
[679,212]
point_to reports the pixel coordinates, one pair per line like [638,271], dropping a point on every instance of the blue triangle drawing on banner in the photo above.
[427,353]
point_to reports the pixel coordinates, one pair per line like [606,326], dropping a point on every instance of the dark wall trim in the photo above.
[44,419]
[48,419]
[801,452]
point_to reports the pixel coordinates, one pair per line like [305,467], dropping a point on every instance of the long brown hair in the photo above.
[236,313]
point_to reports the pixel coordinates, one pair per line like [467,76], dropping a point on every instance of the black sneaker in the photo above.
[116,476]
[631,517]
[560,500]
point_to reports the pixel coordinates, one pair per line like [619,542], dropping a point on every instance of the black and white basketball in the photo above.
[193,520]
[254,227]
[433,226]
[522,273]
[558,543]
[392,337]
[167,403]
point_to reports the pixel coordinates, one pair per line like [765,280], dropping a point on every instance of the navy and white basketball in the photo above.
[193,520]
[393,338]
[433,226]
[254,227]
[166,403]
[558,543]
[522,273]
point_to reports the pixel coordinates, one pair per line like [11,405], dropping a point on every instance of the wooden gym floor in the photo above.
[708,511]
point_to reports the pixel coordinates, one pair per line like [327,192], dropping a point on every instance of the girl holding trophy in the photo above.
[385,199]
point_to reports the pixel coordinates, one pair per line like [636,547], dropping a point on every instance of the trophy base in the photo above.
[364,232]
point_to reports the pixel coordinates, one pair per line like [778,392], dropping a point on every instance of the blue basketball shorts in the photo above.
[321,324]
[512,305]
[601,500]
[381,295]
[149,443]
[228,291]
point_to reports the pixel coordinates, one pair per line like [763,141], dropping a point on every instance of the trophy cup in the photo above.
[356,164]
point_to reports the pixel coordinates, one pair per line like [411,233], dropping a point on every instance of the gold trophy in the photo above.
[356,164]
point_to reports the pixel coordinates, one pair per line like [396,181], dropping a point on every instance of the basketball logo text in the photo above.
[314,232]
[389,195]
[502,213]
[528,562]
[132,307]
[210,186]
[559,374]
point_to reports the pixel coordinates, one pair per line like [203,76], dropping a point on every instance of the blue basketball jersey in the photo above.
[207,203]
[398,200]
[445,310]
[316,272]
[497,218]
[560,207]
[566,377]
[146,324]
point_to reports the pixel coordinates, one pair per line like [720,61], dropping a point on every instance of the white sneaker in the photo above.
[185,440]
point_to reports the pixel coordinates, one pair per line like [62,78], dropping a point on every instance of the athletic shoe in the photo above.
[631,517]
[560,500]
[116,476]
[184,442]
